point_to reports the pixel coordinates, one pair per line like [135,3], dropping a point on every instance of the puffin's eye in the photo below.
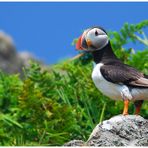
[96,33]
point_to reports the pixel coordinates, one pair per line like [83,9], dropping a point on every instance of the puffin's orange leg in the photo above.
[138,105]
[137,111]
[125,110]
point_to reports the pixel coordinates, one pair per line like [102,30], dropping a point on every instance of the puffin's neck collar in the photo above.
[104,55]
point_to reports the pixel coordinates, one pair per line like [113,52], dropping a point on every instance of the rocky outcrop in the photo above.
[10,60]
[130,130]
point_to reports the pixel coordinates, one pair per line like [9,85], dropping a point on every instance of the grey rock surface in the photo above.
[130,130]
[10,60]
[75,143]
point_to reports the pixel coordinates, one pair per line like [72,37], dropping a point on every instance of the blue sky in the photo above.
[48,29]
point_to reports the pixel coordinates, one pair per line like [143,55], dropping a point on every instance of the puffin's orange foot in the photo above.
[124,114]
[125,110]
[137,111]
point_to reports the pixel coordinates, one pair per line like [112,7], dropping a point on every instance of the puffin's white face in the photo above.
[92,39]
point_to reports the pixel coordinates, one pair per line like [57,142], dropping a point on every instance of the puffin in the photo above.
[111,76]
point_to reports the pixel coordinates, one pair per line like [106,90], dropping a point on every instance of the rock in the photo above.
[120,130]
[130,130]
[11,61]
[75,143]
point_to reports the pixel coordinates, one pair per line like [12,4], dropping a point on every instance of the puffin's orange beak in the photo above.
[89,43]
[78,44]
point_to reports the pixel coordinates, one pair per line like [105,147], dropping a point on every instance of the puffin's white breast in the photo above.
[107,88]
[116,91]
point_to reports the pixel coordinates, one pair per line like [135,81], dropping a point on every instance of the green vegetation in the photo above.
[53,106]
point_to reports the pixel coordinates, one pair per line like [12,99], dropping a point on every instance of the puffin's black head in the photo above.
[92,39]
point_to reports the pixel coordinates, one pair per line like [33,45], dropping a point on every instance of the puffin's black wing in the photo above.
[121,73]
